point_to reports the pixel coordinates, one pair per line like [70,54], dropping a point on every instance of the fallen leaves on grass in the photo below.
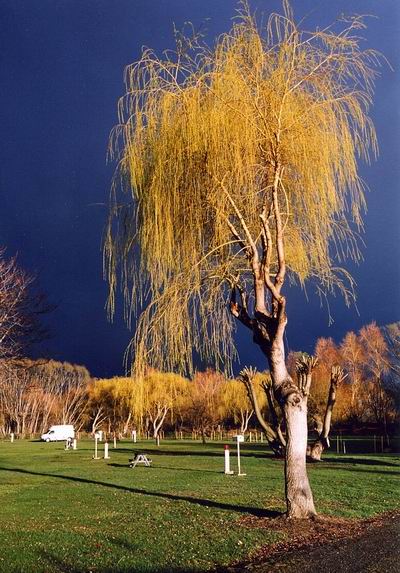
[308,533]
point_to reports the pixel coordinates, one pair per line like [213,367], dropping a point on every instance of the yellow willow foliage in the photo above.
[201,132]
[236,398]
[158,390]
[117,387]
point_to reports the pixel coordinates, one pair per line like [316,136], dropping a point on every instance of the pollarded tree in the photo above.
[323,424]
[260,386]
[328,355]
[238,172]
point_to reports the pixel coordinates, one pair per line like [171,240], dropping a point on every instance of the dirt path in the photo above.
[372,547]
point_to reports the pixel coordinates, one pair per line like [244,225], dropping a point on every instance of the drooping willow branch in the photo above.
[236,161]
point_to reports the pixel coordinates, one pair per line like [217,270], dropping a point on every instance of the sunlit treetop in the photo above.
[229,157]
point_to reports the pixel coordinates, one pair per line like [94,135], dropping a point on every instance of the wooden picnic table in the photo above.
[140,459]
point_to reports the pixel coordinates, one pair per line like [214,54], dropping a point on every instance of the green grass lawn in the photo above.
[63,511]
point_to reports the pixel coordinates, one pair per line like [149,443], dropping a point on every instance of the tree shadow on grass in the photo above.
[57,563]
[64,566]
[114,465]
[259,512]
[189,470]
[255,452]
[123,544]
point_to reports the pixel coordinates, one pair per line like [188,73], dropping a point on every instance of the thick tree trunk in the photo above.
[299,498]
[268,332]
[293,400]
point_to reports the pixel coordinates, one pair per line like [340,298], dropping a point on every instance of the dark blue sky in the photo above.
[61,64]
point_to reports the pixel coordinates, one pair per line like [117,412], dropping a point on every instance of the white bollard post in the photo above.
[134,436]
[344,447]
[239,438]
[115,442]
[12,437]
[106,456]
[74,444]
[261,437]
[228,470]
[95,457]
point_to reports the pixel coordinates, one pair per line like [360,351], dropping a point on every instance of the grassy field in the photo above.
[63,511]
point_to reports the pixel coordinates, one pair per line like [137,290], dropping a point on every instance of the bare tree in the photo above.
[391,333]
[323,426]
[34,394]
[19,310]
[354,359]
[238,172]
[98,416]
[205,402]
[20,326]
[376,366]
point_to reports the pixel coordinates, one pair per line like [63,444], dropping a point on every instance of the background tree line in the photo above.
[36,393]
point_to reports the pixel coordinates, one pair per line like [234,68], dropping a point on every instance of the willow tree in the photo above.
[237,174]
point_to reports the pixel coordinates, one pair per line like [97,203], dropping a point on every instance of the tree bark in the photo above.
[293,400]
[314,452]
[268,334]
[299,498]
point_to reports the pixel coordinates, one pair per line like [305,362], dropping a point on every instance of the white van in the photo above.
[59,433]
